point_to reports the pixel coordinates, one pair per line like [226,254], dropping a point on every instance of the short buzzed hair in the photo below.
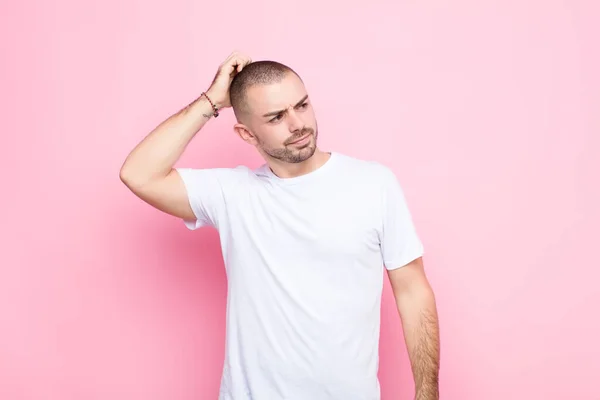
[256,73]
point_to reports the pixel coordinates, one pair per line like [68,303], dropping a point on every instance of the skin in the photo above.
[416,305]
[276,116]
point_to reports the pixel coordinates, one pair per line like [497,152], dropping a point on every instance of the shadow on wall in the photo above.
[177,297]
[167,304]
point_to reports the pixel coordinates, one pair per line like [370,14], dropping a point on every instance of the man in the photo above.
[304,238]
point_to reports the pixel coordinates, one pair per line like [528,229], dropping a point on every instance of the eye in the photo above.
[276,118]
[303,106]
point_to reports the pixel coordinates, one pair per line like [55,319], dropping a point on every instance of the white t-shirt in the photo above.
[304,258]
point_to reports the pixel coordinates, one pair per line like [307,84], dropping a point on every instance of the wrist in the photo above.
[214,105]
[213,98]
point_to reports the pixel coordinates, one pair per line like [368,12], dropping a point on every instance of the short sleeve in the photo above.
[399,241]
[208,191]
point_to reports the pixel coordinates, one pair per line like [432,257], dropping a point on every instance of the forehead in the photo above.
[275,96]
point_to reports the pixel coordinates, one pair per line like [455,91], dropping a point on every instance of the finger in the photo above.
[230,69]
[229,58]
[243,63]
[237,64]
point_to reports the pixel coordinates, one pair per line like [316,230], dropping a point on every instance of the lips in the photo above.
[301,138]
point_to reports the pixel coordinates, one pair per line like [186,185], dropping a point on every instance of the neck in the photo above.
[292,170]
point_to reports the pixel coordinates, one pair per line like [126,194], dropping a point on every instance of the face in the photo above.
[280,121]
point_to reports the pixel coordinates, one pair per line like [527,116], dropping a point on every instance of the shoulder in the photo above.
[367,170]
[224,177]
[234,173]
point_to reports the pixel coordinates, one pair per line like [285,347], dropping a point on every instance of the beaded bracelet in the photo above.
[216,110]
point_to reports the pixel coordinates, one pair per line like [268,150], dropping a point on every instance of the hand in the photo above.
[219,88]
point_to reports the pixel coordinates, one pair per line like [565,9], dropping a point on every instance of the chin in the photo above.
[306,152]
[295,155]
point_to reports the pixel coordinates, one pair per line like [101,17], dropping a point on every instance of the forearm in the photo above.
[155,156]
[421,333]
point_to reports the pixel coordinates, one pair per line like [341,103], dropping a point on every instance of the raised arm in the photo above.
[148,169]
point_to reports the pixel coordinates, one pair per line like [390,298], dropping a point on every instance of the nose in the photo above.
[295,123]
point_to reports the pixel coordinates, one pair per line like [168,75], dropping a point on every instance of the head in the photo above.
[274,112]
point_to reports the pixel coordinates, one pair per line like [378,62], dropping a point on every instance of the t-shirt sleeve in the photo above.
[208,191]
[399,241]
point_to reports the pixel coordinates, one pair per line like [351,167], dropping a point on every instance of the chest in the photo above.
[331,221]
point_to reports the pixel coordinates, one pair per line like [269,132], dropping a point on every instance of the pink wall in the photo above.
[488,112]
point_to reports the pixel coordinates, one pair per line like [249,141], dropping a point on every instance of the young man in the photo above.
[304,239]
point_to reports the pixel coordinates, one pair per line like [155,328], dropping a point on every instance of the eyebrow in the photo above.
[272,113]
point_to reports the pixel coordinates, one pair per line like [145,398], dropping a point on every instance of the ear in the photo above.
[245,134]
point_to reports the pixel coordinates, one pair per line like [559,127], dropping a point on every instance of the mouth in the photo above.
[301,139]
